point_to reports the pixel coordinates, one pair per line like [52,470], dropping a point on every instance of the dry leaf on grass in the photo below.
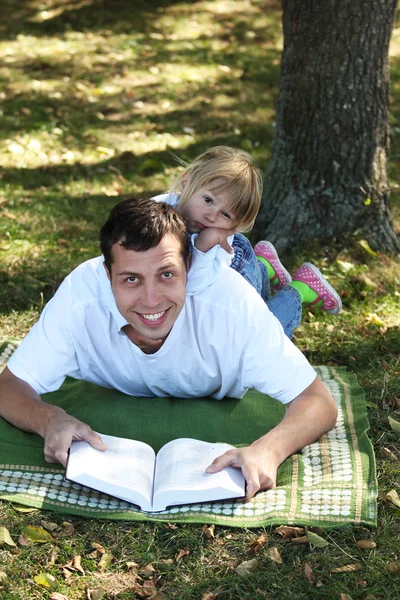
[316,540]
[274,554]
[37,534]
[393,498]
[386,453]
[49,526]
[3,577]
[147,571]
[308,572]
[24,541]
[303,539]
[209,596]
[58,596]
[286,531]
[209,531]
[183,552]
[105,560]
[5,537]
[393,567]
[345,597]
[366,544]
[96,594]
[46,580]
[246,567]
[347,568]
[258,544]
[395,425]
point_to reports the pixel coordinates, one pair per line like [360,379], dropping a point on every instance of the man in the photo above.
[127,323]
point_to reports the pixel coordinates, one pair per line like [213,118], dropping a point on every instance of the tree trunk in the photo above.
[328,173]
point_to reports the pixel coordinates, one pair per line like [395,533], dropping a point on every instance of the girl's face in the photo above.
[208,209]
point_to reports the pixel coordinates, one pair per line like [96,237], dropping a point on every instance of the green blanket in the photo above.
[331,483]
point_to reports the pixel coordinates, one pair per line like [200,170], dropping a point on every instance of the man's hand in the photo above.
[308,416]
[21,406]
[61,429]
[211,236]
[259,466]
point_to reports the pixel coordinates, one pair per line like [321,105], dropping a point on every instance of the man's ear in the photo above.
[107,271]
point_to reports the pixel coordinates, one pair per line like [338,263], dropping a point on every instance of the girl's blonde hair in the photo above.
[238,176]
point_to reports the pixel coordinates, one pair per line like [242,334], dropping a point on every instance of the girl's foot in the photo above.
[315,290]
[278,276]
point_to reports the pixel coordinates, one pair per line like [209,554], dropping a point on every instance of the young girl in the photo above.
[219,196]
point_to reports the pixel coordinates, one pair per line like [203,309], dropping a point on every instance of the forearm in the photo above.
[21,406]
[310,415]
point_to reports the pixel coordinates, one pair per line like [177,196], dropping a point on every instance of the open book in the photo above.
[131,471]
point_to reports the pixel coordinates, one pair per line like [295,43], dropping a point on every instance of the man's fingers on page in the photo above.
[97,442]
[228,459]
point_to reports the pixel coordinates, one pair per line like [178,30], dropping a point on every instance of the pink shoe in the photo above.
[282,277]
[311,276]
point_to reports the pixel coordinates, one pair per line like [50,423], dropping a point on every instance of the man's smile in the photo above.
[153,318]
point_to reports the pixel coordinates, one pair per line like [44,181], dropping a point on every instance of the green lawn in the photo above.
[98,99]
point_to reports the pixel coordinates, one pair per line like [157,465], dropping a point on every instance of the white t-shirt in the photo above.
[224,341]
[204,266]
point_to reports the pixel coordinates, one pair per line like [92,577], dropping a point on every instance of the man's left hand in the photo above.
[259,466]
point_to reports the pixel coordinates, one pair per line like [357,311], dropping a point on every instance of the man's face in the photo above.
[149,288]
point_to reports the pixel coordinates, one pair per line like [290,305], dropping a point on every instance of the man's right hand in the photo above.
[60,430]
[21,406]
[211,236]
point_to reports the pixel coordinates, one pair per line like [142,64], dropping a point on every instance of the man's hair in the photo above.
[238,176]
[140,224]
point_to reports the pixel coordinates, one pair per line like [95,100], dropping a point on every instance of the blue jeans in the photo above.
[286,304]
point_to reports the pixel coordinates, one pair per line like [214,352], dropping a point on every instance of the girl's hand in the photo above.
[211,236]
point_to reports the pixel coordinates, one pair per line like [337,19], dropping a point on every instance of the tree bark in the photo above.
[328,173]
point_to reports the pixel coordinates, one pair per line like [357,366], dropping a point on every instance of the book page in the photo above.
[126,467]
[180,475]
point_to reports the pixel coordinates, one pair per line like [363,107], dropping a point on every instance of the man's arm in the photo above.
[21,406]
[308,416]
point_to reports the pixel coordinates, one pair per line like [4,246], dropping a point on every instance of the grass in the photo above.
[97,99]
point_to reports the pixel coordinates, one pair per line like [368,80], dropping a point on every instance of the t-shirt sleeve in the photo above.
[270,362]
[46,356]
[205,266]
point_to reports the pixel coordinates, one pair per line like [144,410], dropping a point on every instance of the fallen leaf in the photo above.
[52,558]
[393,567]
[147,571]
[131,565]
[105,560]
[274,555]
[3,577]
[308,572]
[303,539]
[96,594]
[46,580]
[209,596]
[286,531]
[386,453]
[316,540]
[48,526]
[366,544]
[58,596]
[347,568]
[374,319]
[365,245]
[68,529]
[181,554]
[37,534]
[395,425]
[98,547]
[209,531]
[257,545]
[344,266]
[5,537]
[76,563]
[246,567]
[345,597]
[393,498]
